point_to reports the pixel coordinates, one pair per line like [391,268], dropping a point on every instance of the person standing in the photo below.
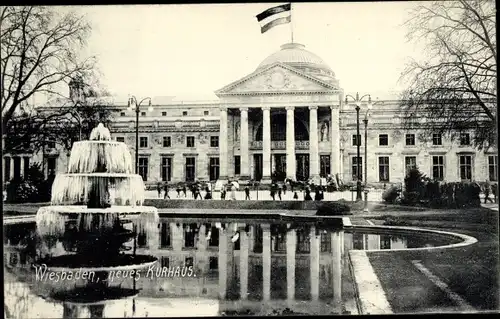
[165,189]
[247,193]
[494,190]
[273,191]
[233,192]
[184,190]
[158,188]
[279,191]
[487,191]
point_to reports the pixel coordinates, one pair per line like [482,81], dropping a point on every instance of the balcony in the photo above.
[280,145]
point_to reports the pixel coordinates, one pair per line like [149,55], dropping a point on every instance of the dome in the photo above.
[295,55]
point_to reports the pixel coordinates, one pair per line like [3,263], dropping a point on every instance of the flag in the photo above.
[274,16]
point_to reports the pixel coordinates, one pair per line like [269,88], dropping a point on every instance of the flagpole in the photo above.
[291,20]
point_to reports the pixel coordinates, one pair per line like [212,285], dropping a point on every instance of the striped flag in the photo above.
[274,16]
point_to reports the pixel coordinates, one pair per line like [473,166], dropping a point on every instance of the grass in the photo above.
[471,271]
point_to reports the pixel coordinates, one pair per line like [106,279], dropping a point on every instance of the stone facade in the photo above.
[288,117]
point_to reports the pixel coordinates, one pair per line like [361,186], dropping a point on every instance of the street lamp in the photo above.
[357,101]
[134,105]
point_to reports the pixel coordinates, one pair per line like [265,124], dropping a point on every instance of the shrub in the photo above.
[415,187]
[391,194]
[333,209]
[32,189]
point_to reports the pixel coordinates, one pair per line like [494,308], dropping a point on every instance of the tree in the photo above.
[454,89]
[39,51]
[62,124]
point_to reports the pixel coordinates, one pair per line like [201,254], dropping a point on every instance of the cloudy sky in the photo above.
[189,51]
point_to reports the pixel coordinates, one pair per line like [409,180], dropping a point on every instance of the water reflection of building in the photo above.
[267,262]
[366,241]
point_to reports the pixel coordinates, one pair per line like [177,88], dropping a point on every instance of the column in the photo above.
[291,247]
[251,239]
[177,236]
[314,258]
[244,158]
[22,165]
[335,140]
[290,143]
[11,173]
[223,264]
[337,267]
[313,144]
[266,143]
[244,248]
[266,262]
[223,148]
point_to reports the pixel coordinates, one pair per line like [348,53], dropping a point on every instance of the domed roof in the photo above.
[295,55]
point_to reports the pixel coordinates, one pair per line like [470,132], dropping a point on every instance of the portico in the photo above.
[284,117]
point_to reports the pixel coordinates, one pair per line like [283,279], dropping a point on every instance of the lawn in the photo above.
[471,271]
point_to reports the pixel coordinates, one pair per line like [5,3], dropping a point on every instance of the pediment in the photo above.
[276,78]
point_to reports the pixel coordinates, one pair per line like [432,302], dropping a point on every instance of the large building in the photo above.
[288,118]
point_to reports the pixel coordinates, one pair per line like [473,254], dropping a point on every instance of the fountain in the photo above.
[96,210]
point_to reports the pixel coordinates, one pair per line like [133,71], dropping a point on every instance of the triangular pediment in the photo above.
[277,77]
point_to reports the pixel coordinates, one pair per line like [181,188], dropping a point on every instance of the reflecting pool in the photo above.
[205,267]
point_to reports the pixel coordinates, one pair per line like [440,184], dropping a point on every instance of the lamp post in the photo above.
[134,105]
[357,101]
[365,121]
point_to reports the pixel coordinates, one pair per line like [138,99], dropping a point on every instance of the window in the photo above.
[143,141]
[303,242]
[51,144]
[325,242]
[165,262]
[437,139]
[189,235]
[355,161]
[167,141]
[165,235]
[465,167]
[213,241]
[214,141]
[163,113]
[410,163]
[184,113]
[189,262]
[143,168]
[438,167]
[356,139]
[493,167]
[51,166]
[120,139]
[142,240]
[383,168]
[166,169]
[190,141]
[122,113]
[206,113]
[143,113]
[383,139]
[324,167]
[237,165]
[213,263]
[190,169]
[464,139]
[410,139]
[214,168]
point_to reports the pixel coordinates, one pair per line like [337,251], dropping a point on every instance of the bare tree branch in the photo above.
[40,49]
[454,89]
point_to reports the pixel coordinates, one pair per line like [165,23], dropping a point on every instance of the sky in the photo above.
[189,51]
